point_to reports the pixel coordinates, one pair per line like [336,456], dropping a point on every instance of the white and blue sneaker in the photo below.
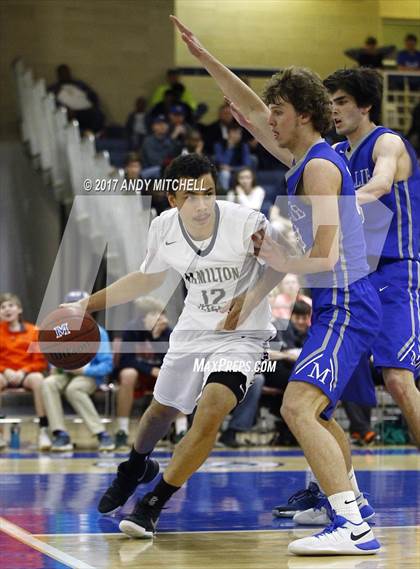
[341,537]
[320,515]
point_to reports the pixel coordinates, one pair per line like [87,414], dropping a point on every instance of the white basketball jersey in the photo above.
[214,271]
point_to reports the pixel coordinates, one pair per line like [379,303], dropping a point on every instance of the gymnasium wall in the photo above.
[407,9]
[121,47]
[275,33]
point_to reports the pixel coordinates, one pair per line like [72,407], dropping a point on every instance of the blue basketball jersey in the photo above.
[352,264]
[403,238]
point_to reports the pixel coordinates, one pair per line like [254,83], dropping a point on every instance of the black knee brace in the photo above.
[234,380]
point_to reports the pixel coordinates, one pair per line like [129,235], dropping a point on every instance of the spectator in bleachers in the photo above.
[179,129]
[157,148]
[288,293]
[218,131]
[408,59]
[172,82]
[243,416]
[133,166]
[194,143]
[78,385]
[370,55]
[135,125]
[231,155]
[245,189]
[79,98]
[18,366]
[139,367]
[171,99]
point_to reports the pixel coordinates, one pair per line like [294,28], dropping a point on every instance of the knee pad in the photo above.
[233,380]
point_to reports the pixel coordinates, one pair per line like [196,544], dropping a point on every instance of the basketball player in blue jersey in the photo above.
[345,305]
[384,166]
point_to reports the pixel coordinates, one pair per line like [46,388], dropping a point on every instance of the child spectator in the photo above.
[133,167]
[140,368]
[231,155]
[246,192]
[194,143]
[18,366]
[78,385]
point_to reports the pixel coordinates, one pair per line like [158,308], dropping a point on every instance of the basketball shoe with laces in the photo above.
[320,515]
[142,521]
[124,485]
[341,537]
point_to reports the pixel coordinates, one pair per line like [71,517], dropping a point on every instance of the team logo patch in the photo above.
[62,330]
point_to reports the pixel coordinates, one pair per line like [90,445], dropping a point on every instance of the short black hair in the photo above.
[190,166]
[370,40]
[364,84]
[410,37]
[301,308]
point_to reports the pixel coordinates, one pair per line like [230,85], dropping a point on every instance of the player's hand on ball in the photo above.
[271,252]
[80,305]
[193,44]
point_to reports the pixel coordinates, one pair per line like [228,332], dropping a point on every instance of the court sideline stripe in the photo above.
[20,534]
[274,530]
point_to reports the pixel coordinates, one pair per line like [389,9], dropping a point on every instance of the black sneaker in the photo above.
[124,485]
[228,439]
[121,439]
[142,521]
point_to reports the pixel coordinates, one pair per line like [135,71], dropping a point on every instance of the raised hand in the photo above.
[193,44]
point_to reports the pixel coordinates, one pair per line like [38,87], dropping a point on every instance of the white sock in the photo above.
[181,424]
[123,423]
[356,490]
[310,477]
[344,504]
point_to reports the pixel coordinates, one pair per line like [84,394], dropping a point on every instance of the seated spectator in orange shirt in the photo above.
[283,302]
[18,366]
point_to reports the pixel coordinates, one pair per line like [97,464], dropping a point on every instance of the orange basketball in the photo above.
[68,338]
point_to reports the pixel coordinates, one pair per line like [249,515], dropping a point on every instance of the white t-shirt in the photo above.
[215,270]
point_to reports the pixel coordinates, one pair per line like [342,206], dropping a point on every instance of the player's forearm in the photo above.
[121,291]
[377,187]
[265,285]
[233,87]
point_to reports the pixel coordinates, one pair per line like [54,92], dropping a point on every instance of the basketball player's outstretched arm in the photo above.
[247,106]
[389,150]
[126,288]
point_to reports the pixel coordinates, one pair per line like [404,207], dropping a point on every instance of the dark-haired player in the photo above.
[384,166]
[346,309]
[208,242]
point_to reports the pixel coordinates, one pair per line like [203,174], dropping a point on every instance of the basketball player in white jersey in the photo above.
[209,243]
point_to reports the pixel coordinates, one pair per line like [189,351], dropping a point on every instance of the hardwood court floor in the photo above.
[221,519]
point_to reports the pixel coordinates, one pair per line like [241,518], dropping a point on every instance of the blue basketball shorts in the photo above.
[345,322]
[398,342]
